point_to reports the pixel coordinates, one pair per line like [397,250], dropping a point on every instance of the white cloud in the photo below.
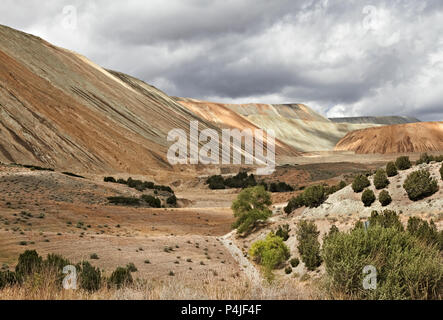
[342,58]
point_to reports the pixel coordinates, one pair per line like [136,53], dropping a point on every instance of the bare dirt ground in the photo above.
[54,213]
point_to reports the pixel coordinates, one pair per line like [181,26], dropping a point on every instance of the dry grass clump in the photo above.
[47,288]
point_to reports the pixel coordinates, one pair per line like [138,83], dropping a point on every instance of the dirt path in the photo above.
[251,272]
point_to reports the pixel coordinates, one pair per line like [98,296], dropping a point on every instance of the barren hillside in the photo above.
[222,116]
[412,137]
[376,120]
[60,110]
[294,124]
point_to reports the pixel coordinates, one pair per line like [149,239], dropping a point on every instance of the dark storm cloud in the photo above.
[340,57]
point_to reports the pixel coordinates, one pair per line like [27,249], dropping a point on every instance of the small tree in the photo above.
[403,163]
[314,196]
[250,207]
[391,169]
[360,183]
[385,198]
[420,184]
[283,232]
[368,197]
[308,244]
[295,203]
[270,253]
[381,181]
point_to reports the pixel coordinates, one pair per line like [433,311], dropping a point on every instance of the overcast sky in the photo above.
[343,58]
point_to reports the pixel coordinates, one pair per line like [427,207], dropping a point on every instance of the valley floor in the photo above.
[183,253]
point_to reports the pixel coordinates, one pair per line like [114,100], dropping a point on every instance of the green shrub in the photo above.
[216,182]
[360,183]
[124,201]
[241,180]
[308,244]
[381,181]
[368,197]
[403,163]
[7,278]
[288,270]
[172,200]
[139,184]
[295,203]
[420,185]
[120,277]
[151,201]
[441,171]
[406,269]
[391,169]
[55,263]
[131,267]
[89,277]
[283,232]
[29,263]
[294,262]
[425,158]
[333,230]
[333,189]
[270,253]
[280,187]
[385,198]
[424,231]
[314,196]
[251,207]
[94,256]
[387,219]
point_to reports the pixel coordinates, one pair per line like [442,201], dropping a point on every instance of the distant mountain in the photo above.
[400,138]
[376,120]
[297,125]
